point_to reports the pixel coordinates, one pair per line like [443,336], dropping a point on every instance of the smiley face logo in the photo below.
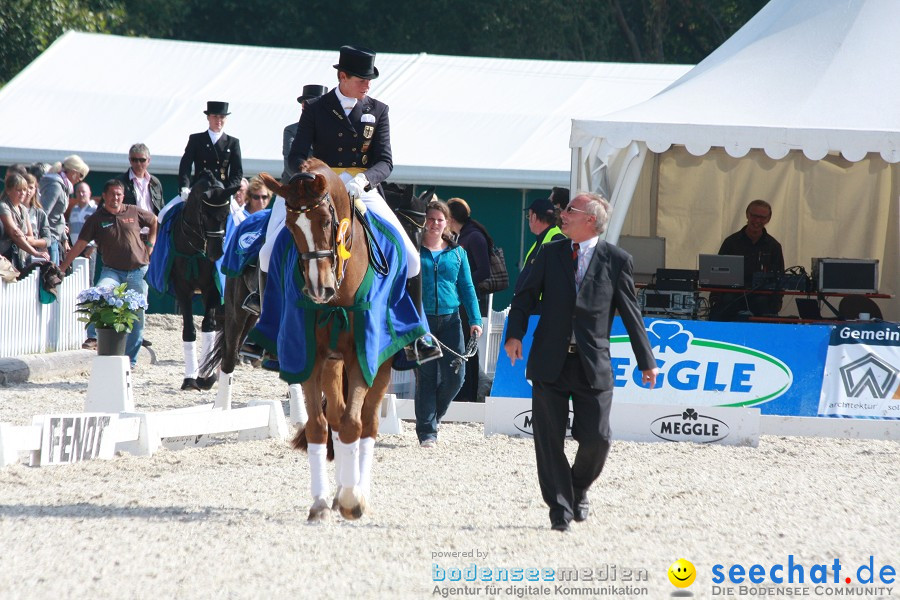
[682,573]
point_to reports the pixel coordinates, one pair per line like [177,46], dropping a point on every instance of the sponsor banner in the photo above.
[70,438]
[641,422]
[862,372]
[775,367]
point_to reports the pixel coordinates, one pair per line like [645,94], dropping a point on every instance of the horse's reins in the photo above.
[198,232]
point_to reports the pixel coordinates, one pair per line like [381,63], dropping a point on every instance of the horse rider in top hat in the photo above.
[350,132]
[213,149]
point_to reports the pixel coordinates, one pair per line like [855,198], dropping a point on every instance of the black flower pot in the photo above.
[111,342]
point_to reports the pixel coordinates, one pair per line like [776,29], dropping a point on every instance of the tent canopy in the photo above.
[799,108]
[809,75]
[481,122]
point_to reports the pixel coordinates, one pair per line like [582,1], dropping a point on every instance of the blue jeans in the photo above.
[436,383]
[135,281]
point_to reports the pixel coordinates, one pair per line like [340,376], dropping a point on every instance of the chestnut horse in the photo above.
[334,254]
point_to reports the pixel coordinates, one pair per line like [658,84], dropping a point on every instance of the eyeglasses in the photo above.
[137,160]
[571,209]
[259,196]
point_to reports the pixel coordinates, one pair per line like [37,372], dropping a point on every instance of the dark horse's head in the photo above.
[319,218]
[409,208]
[208,205]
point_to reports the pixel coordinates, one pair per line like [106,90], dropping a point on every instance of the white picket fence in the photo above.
[29,327]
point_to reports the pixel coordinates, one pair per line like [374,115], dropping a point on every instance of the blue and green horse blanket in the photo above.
[385,318]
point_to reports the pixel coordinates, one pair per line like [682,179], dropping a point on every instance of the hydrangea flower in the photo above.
[110,307]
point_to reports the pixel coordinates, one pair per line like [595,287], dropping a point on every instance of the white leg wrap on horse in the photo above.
[366,450]
[297,405]
[318,477]
[207,341]
[190,359]
[348,467]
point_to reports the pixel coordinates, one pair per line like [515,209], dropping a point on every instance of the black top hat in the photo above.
[359,62]
[541,205]
[214,107]
[312,91]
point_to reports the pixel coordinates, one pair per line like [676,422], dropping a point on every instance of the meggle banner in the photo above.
[775,367]
[861,372]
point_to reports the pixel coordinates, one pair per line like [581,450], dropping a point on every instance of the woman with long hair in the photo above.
[477,242]
[446,284]
[55,189]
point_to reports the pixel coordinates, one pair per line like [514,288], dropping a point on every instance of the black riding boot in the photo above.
[253,302]
[250,350]
[425,348]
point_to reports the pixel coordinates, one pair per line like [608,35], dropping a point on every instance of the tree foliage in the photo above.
[675,31]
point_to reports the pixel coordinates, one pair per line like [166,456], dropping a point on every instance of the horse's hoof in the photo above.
[190,383]
[206,383]
[319,511]
[351,504]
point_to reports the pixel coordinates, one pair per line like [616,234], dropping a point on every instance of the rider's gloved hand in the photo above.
[185,192]
[357,185]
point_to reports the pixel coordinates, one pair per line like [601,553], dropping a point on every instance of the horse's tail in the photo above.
[299,442]
[214,358]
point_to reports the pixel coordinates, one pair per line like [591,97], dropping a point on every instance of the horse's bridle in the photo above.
[332,253]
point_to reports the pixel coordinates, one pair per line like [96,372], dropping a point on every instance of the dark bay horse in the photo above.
[334,255]
[198,232]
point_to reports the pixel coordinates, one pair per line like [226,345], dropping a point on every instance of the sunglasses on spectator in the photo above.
[259,196]
[137,160]
[571,209]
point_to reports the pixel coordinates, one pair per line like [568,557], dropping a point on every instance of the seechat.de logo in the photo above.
[689,426]
[682,573]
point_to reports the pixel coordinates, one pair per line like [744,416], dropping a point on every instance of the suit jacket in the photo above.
[290,132]
[222,158]
[156,192]
[345,141]
[607,287]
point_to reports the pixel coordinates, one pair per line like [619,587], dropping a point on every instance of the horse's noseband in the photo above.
[332,252]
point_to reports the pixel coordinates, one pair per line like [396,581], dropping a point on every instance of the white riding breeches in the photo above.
[373,201]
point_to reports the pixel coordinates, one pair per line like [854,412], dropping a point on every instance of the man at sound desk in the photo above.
[762,254]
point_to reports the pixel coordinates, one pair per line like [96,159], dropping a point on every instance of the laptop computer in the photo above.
[721,270]
[808,309]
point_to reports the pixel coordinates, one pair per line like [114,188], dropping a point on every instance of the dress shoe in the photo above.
[559,524]
[89,344]
[582,505]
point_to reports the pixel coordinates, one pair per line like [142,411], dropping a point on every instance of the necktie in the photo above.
[575,248]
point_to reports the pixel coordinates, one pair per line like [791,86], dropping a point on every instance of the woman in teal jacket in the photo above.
[446,283]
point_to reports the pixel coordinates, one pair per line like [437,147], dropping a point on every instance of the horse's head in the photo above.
[315,200]
[212,203]
[409,208]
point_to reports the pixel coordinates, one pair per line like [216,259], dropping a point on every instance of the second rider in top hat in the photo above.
[350,132]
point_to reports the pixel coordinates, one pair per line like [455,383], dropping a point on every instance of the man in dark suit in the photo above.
[584,281]
[350,132]
[214,150]
[141,188]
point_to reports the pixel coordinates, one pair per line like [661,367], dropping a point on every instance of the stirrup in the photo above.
[421,352]
[251,351]
[252,303]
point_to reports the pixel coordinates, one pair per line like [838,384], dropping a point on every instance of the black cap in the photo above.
[541,205]
[216,108]
[359,62]
[312,91]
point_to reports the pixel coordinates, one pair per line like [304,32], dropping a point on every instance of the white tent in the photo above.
[798,107]
[482,122]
